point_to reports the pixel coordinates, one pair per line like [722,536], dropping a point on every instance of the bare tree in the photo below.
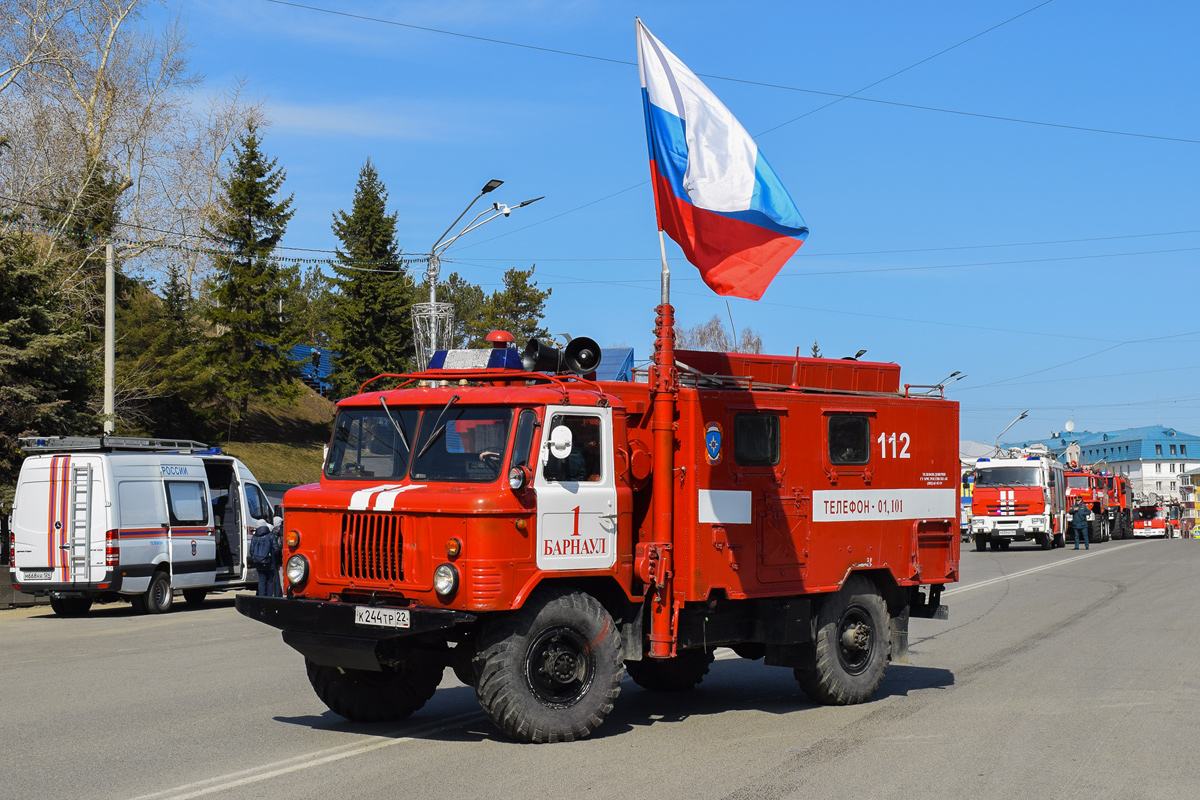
[714,336]
[89,93]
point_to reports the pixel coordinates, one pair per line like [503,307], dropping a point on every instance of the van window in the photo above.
[140,504]
[849,439]
[756,440]
[259,506]
[185,501]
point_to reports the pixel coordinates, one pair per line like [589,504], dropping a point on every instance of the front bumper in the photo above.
[326,633]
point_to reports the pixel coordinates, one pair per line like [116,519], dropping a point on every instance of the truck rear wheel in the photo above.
[851,644]
[683,672]
[362,695]
[71,606]
[550,671]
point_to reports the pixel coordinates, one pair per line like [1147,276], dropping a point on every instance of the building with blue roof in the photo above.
[1153,457]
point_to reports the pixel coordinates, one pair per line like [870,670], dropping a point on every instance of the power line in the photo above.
[765,84]
[906,69]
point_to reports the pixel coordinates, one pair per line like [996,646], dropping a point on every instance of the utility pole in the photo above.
[110,337]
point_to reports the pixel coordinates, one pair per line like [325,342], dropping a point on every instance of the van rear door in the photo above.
[53,517]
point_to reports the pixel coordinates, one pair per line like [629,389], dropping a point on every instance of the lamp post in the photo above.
[1024,414]
[433,320]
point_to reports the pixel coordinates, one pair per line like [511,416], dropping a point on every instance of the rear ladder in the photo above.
[81,504]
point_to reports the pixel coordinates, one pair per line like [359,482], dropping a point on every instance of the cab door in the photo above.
[576,492]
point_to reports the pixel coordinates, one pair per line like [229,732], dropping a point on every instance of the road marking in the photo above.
[316,758]
[990,581]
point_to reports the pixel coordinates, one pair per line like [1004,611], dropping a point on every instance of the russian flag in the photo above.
[714,192]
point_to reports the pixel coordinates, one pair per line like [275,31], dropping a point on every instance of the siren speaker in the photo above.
[538,357]
[582,355]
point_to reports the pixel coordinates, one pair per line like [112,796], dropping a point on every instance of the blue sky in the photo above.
[939,241]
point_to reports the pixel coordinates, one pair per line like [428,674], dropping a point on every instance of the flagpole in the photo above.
[666,269]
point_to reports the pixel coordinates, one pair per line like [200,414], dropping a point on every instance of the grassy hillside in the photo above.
[279,462]
[284,444]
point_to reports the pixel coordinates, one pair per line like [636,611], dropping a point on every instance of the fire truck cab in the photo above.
[1018,499]
[543,533]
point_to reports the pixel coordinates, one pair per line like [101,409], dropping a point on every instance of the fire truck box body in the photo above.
[1017,500]
[453,531]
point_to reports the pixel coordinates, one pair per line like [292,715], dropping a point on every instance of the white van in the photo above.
[131,518]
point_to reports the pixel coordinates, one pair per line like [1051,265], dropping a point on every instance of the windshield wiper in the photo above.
[399,426]
[437,431]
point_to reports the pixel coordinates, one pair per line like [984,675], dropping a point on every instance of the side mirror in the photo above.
[560,441]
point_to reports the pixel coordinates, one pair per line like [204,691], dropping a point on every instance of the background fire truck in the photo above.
[1018,499]
[1120,505]
[1091,489]
[544,533]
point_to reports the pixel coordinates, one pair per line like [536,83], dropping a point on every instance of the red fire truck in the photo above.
[1092,491]
[1120,506]
[1018,499]
[1150,519]
[543,533]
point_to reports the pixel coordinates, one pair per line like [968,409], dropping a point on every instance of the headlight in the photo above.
[518,477]
[445,580]
[297,569]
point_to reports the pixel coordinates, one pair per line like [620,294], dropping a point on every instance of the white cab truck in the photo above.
[135,519]
[1018,499]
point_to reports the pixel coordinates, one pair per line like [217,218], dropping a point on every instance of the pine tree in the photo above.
[372,307]
[43,358]
[816,351]
[517,308]
[251,332]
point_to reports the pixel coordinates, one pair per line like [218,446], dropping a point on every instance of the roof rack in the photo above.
[109,444]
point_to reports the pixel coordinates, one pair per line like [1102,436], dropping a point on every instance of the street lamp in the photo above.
[432,318]
[1024,414]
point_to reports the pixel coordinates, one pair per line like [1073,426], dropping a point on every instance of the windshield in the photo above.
[1078,482]
[1007,476]
[366,446]
[1149,513]
[466,445]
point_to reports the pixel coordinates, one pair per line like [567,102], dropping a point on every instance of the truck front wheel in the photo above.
[851,646]
[364,696]
[677,674]
[550,671]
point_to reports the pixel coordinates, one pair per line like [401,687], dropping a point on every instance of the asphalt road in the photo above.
[1059,674]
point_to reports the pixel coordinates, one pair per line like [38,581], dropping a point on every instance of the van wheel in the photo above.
[158,597]
[852,646]
[194,597]
[677,674]
[71,606]
[550,671]
[362,695]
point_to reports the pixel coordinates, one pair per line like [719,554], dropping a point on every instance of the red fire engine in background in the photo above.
[1092,490]
[1018,498]
[543,533]
[1120,505]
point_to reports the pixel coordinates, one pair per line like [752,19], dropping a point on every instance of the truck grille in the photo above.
[1009,509]
[371,547]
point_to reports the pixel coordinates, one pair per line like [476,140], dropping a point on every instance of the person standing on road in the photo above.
[1079,523]
[264,557]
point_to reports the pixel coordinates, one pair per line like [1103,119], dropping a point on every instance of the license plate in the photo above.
[381,617]
[38,576]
